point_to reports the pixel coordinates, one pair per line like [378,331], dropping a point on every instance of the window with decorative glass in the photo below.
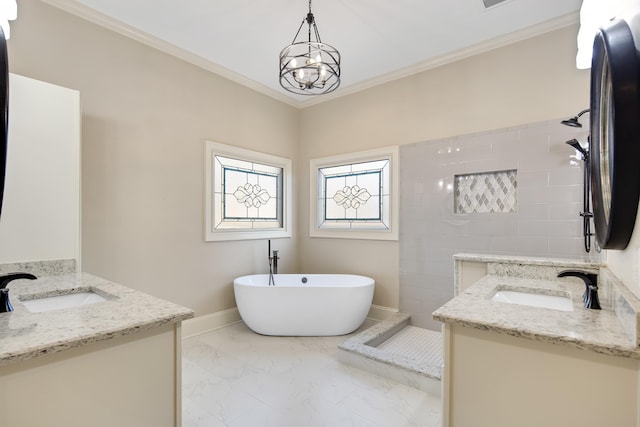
[354,196]
[247,194]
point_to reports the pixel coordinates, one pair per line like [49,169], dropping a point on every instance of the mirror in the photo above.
[615,135]
[4,110]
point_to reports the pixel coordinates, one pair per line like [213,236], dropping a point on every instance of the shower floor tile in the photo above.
[233,377]
[416,343]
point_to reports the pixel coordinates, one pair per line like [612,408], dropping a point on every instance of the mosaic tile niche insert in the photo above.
[487,192]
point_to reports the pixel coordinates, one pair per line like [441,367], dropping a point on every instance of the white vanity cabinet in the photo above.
[508,364]
[127,381]
[112,363]
[494,380]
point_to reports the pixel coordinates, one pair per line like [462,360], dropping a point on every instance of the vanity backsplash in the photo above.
[41,268]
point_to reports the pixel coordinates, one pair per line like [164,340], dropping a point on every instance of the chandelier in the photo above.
[309,67]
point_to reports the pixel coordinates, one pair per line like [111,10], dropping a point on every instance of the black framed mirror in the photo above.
[4,110]
[615,135]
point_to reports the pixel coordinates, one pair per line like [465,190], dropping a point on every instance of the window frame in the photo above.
[316,229]
[212,234]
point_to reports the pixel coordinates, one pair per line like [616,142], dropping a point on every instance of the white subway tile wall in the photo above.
[545,223]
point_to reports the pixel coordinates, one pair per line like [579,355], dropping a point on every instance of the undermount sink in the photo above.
[532,299]
[60,302]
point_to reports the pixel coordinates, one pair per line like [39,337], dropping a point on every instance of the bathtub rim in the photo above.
[365,280]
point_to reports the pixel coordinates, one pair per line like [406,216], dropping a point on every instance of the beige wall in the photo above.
[530,81]
[145,117]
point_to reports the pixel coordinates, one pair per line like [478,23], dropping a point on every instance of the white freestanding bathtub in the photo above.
[304,304]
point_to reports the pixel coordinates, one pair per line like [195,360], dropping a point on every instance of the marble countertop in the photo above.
[25,335]
[600,331]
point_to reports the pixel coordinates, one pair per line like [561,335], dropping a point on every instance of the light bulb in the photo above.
[293,63]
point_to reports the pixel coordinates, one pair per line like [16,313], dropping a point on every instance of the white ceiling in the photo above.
[379,40]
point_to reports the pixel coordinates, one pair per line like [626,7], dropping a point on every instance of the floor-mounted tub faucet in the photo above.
[590,295]
[273,264]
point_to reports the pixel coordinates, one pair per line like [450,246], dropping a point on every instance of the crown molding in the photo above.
[495,43]
[75,8]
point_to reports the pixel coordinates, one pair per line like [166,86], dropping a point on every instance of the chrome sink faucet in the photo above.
[5,303]
[590,295]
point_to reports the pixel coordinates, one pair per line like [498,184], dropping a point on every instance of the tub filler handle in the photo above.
[273,264]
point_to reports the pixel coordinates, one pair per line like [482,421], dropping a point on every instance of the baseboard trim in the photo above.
[209,322]
[220,319]
[378,312]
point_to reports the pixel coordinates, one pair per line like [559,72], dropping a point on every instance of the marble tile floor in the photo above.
[235,378]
